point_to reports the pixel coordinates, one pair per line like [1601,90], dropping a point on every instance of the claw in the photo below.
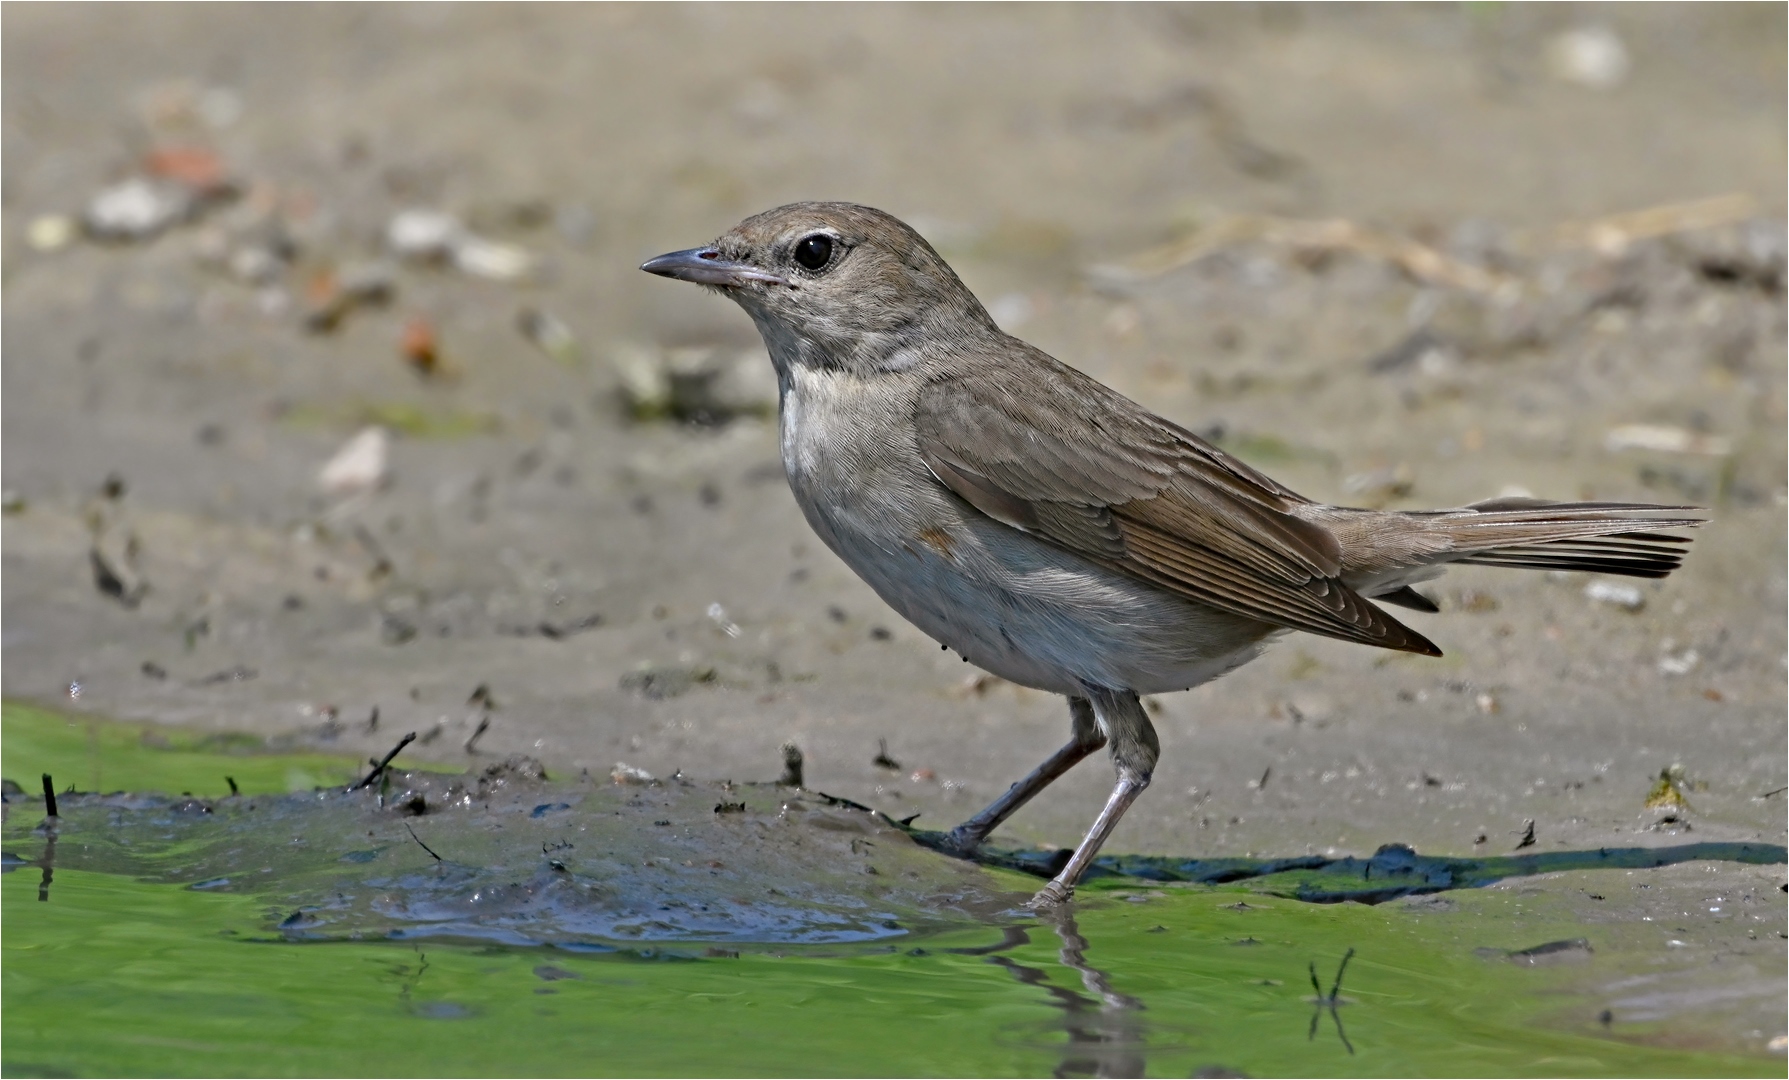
[1052,895]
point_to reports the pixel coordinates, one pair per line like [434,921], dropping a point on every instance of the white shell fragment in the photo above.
[135,210]
[362,464]
[489,259]
[623,773]
[437,236]
[1679,663]
[423,234]
[1621,596]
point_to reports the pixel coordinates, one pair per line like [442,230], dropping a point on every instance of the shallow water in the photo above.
[198,936]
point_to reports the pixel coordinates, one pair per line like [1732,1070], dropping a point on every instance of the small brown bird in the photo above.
[1057,533]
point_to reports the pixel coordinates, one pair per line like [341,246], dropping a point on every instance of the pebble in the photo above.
[256,265]
[192,166]
[50,232]
[437,236]
[423,234]
[367,282]
[1680,663]
[1622,596]
[696,385]
[1592,56]
[362,464]
[623,773]
[135,209]
[490,259]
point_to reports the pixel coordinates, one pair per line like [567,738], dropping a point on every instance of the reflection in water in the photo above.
[48,862]
[1105,1031]
[1329,1001]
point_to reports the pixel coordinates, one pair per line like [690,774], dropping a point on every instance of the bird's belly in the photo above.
[1029,612]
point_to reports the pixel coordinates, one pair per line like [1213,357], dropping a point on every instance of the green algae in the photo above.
[127,973]
[106,755]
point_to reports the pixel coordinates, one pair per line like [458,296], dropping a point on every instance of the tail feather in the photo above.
[1604,538]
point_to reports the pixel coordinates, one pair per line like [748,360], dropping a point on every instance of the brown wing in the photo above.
[1041,447]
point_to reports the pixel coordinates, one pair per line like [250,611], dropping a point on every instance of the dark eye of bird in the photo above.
[813,252]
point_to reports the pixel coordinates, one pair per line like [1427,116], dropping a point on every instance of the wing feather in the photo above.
[1081,466]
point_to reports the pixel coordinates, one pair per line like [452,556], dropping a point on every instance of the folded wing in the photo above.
[1136,494]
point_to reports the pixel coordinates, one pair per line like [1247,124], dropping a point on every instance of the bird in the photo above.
[1060,535]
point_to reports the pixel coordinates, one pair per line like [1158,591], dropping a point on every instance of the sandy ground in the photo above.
[647,591]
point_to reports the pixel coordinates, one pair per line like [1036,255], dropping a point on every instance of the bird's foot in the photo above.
[1055,894]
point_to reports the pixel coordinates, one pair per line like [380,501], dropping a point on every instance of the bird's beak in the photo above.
[706,266]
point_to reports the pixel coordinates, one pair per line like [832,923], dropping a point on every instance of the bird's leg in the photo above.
[1134,753]
[1085,737]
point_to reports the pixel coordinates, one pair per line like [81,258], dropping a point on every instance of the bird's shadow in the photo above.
[1393,871]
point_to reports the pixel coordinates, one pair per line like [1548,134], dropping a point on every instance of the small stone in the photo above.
[623,773]
[420,346]
[193,167]
[1626,597]
[705,386]
[490,259]
[361,465]
[367,282]
[1592,56]
[50,232]
[135,210]
[423,234]
[256,265]
[1679,663]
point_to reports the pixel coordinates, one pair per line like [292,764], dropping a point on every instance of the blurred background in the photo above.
[335,406]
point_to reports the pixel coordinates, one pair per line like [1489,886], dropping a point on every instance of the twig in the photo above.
[1768,794]
[380,767]
[1611,235]
[49,796]
[419,842]
[882,760]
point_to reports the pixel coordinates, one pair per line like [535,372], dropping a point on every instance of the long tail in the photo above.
[1605,538]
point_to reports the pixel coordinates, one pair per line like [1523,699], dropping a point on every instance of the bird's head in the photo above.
[836,285]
